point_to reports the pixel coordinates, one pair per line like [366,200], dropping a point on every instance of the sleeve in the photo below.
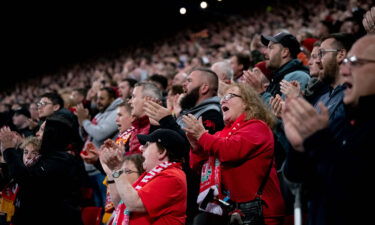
[162,193]
[266,97]
[213,121]
[247,141]
[104,129]
[300,165]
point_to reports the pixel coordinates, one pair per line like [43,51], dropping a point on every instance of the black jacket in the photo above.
[338,169]
[49,189]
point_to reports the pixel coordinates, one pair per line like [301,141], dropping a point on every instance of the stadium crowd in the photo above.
[260,119]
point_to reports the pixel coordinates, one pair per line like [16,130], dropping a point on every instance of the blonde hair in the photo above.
[31,141]
[254,106]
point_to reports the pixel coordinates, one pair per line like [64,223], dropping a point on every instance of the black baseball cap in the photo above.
[286,40]
[172,141]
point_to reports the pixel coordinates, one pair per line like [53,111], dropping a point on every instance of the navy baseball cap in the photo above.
[286,40]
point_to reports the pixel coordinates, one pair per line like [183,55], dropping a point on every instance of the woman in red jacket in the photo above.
[236,159]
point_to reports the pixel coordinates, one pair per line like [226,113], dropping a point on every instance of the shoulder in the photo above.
[297,75]
[255,124]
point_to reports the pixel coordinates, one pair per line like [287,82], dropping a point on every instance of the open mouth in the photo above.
[348,85]
[224,108]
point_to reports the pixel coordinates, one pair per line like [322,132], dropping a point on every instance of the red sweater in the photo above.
[244,149]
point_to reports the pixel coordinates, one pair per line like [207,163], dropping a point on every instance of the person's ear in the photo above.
[204,88]
[341,54]
[56,107]
[162,154]
[285,52]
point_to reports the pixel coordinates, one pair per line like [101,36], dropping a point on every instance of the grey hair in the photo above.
[150,90]
[223,67]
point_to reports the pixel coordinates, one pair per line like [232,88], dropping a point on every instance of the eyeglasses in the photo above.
[42,104]
[355,61]
[128,171]
[229,96]
[322,52]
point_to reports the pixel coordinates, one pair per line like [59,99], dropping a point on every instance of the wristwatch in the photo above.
[117,173]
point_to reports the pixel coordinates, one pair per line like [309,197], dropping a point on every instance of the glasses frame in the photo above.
[42,104]
[322,52]
[229,96]
[128,171]
[355,61]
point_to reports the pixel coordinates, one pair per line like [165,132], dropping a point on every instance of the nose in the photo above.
[345,69]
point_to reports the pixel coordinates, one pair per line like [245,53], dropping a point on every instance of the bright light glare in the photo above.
[203,5]
[182,11]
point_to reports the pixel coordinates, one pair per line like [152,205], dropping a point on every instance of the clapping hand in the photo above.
[111,156]
[8,138]
[277,105]
[155,111]
[290,89]
[194,129]
[301,120]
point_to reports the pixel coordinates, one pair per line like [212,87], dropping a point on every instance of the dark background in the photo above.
[42,38]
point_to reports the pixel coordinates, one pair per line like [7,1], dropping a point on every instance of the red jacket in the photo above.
[244,149]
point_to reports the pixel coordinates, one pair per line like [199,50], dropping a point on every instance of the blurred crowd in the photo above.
[268,106]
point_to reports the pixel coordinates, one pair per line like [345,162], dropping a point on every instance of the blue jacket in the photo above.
[293,70]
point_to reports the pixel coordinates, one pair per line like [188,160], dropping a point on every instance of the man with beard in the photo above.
[103,125]
[331,54]
[201,99]
[337,167]
[281,58]
[100,128]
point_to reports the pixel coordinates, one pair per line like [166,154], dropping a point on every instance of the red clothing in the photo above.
[245,149]
[141,126]
[164,198]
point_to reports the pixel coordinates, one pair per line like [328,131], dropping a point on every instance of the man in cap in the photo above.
[338,167]
[281,59]
[159,196]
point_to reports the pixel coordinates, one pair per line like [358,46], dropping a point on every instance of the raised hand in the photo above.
[254,80]
[193,127]
[81,113]
[111,157]
[301,120]
[290,89]
[155,111]
[277,105]
[90,153]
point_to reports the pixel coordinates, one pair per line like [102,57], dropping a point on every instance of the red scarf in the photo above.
[211,172]
[121,214]
[122,138]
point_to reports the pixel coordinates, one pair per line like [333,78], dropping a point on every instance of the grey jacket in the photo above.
[105,126]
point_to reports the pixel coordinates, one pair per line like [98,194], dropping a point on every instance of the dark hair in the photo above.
[111,92]
[172,155]
[342,40]
[57,135]
[211,76]
[244,60]
[55,98]
[138,160]
[81,91]
[160,79]
[130,81]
